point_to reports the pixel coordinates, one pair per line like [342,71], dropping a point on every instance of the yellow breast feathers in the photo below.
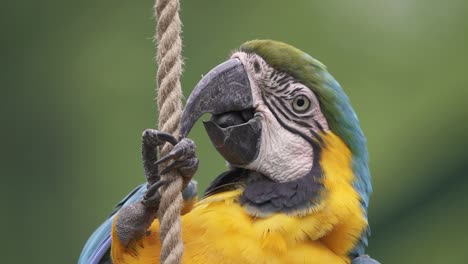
[218,229]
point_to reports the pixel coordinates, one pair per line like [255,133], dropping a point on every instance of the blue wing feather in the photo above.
[98,244]
[97,248]
[364,260]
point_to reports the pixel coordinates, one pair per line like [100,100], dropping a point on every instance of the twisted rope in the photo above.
[169,59]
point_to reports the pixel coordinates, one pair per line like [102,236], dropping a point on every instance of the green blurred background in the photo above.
[77,85]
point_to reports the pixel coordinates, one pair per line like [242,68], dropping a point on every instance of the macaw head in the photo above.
[276,111]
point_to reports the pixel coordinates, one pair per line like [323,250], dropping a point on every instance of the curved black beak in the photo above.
[225,92]
[224,89]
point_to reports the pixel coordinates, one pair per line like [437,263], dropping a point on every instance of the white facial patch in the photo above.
[283,155]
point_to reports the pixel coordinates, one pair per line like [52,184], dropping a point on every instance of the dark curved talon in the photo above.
[153,189]
[180,164]
[158,138]
[183,150]
[174,154]
[153,196]
[171,166]
[166,137]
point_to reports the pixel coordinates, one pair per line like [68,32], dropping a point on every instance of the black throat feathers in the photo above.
[262,196]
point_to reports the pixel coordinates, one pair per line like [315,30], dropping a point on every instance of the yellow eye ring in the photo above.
[301,104]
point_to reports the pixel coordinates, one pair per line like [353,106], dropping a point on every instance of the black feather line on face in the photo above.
[273,104]
[311,141]
[272,74]
[286,112]
[309,116]
[283,88]
[286,86]
[283,104]
[296,90]
[317,136]
[294,115]
[319,126]
[289,95]
[275,76]
[284,78]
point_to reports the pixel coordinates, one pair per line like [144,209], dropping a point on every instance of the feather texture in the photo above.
[220,230]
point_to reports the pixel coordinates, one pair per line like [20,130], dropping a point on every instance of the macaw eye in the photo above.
[301,104]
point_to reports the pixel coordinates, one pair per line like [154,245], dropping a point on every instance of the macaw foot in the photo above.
[134,220]
[182,158]
[132,223]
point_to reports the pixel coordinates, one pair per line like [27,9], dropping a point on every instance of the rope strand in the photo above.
[169,59]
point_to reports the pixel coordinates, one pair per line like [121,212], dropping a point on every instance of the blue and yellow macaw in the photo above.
[298,184]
